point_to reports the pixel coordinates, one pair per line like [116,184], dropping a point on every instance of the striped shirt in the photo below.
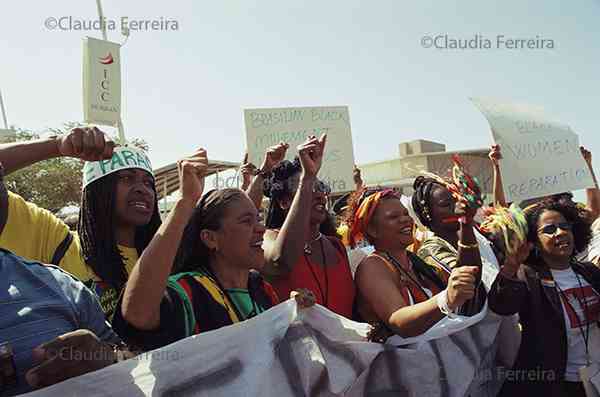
[39,303]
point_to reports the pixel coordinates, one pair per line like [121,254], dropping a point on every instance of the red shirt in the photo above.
[333,285]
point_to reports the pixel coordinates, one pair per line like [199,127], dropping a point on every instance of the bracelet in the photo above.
[468,246]
[264,174]
[118,351]
[442,303]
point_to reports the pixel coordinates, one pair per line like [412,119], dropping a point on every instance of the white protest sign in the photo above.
[101,82]
[540,157]
[268,127]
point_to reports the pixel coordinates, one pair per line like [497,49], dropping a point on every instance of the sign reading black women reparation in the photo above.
[540,157]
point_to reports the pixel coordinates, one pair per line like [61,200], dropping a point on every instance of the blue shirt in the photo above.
[39,303]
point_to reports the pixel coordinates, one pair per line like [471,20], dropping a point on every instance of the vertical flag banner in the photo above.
[268,127]
[101,82]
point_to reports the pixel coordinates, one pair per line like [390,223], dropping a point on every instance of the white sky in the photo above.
[187,88]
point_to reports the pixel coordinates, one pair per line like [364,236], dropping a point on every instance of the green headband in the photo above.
[124,157]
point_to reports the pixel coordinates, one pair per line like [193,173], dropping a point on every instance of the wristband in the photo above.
[264,174]
[442,303]
[468,246]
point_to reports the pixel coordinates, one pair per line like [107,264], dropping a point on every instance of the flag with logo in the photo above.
[101,82]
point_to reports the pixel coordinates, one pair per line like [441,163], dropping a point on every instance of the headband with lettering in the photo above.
[124,157]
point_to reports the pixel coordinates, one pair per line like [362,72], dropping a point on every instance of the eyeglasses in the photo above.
[553,227]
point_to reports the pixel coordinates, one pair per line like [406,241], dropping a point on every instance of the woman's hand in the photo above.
[461,285]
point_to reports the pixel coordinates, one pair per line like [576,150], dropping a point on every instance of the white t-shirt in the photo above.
[566,281]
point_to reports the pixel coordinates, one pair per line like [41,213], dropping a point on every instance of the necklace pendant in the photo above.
[307,249]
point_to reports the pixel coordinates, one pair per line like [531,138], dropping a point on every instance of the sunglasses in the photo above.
[321,187]
[553,227]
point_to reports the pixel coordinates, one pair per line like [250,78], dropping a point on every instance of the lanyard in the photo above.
[324,292]
[583,305]
[405,272]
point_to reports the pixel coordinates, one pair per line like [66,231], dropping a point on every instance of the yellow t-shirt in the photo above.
[34,233]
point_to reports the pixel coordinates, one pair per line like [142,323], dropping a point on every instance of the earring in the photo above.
[425,210]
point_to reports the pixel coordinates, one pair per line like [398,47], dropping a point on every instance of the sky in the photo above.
[187,88]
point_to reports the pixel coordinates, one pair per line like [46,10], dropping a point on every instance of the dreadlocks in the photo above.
[97,231]
[278,186]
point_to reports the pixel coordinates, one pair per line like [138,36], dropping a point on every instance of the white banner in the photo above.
[101,82]
[540,157]
[268,127]
[311,353]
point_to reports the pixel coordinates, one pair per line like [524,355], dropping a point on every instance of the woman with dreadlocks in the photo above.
[396,291]
[447,209]
[555,295]
[301,249]
[118,212]
[214,285]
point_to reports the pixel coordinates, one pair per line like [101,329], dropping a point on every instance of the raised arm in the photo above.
[375,282]
[273,156]
[593,194]
[145,289]
[508,293]
[283,249]
[88,144]
[495,157]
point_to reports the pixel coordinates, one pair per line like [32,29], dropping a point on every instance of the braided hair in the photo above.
[208,214]
[97,231]
[278,187]
[421,199]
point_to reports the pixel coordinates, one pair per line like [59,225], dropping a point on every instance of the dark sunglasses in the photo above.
[553,227]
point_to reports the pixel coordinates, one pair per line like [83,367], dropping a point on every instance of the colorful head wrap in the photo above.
[509,224]
[463,186]
[362,215]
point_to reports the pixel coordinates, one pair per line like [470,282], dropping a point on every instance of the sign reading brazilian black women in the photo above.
[268,127]
[540,157]
[101,82]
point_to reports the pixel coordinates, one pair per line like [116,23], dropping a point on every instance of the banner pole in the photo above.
[3,112]
[101,17]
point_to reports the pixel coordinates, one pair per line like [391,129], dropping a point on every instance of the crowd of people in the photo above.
[126,282]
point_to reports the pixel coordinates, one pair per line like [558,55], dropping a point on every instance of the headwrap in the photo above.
[508,223]
[463,186]
[362,216]
[124,157]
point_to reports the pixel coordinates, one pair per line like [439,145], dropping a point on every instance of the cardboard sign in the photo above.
[540,157]
[268,127]
[101,82]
